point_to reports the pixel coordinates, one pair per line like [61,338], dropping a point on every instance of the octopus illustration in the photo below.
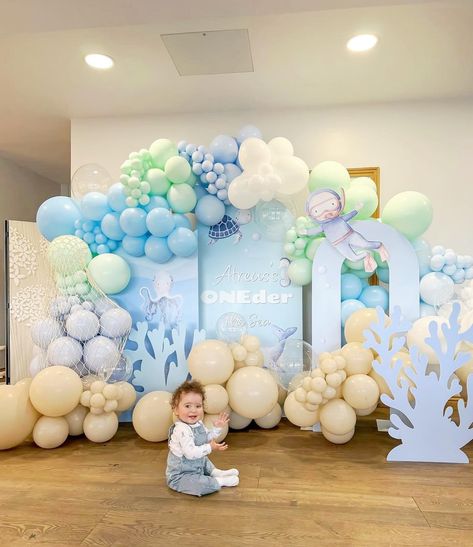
[167,306]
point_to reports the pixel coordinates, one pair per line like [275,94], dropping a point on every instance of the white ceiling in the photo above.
[298,50]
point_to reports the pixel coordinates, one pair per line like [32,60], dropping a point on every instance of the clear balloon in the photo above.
[273,219]
[231,326]
[296,358]
[90,178]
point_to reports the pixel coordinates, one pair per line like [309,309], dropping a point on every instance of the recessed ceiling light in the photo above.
[362,42]
[97,60]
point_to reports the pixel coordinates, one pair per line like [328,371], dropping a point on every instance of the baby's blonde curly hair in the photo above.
[192,386]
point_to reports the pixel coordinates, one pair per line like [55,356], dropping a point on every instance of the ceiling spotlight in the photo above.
[362,42]
[99,61]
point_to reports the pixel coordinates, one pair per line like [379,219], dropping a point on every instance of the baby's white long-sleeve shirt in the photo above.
[182,443]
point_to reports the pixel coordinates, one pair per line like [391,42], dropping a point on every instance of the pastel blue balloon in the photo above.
[348,307]
[157,250]
[134,246]
[155,202]
[450,269]
[224,149]
[209,210]
[374,296]
[364,283]
[450,257]
[469,273]
[182,242]
[57,216]
[182,221]
[437,262]
[350,286]
[160,222]
[89,237]
[103,249]
[438,250]
[94,205]
[88,226]
[110,226]
[426,310]
[112,245]
[459,276]
[248,131]
[101,239]
[133,221]
[231,171]
[116,197]
[383,274]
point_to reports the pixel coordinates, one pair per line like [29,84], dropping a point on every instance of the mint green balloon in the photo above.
[181,198]
[177,169]
[300,271]
[110,273]
[192,180]
[364,181]
[312,247]
[361,273]
[409,212]
[361,194]
[329,174]
[355,264]
[159,183]
[68,254]
[161,150]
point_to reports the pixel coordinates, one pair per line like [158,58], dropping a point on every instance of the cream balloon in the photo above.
[366,411]
[358,360]
[216,399]
[211,362]
[252,391]
[250,342]
[17,415]
[75,420]
[360,391]
[338,439]
[271,419]
[297,414]
[337,417]
[209,420]
[100,428]
[111,391]
[238,422]
[126,396]
[55,391]
[152,416]
[50,432]
[358,322]
[420,331]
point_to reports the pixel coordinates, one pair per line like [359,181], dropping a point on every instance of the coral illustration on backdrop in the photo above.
[421,417]
[160,361]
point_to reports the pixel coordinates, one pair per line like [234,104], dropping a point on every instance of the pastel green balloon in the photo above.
[192,180]
[361,273]
[177,169]
[68,254]
[409,212]
[161,150]
[361,194]
[312,247]
[329,174]
[364,181]
[344,268]
[355,264]
[110,273]
[181,198]
[300,271]
[159,183]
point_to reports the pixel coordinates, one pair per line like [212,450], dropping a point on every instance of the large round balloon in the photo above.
[216,399]
[57,216]
[100,428]
[360,391]
[68,254]
[110,273]
[75,420]
[271,419]
[337,417]
[55,391]
[224,149]
[211,362]
[409,212]
[252,392]
[297,414]
[436,288]
[161,150]
[101,355]
[152,416]
[44,331]
[90,177]
[182,242]
[209,210]
[358,322]
[177,169]
[115,323]
[361,194]
[329,174]
[300,271]
[182,198]
[65,351]
[50,432]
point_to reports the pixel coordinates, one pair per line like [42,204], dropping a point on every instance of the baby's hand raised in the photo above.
[218,446]
[222,420]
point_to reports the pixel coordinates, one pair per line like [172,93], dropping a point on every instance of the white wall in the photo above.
[424,146]
[21,193]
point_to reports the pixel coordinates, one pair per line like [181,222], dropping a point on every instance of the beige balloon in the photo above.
[88,380]
[152,416]
[358,322]
[238,422]
[17,415]
[297,414]
[239,364]
[338,439]
[211,362]
[252,391]
[75,420]
[420,331]
[100,428]
[271,419]
[216,399]
[209,420]
[239,352]
[250,342]
[255,358]
[111,391]
[366,411]
[50,432]
[358,360]
[55,391]
[126,396]
[282,394]
[337,416]
[360,391]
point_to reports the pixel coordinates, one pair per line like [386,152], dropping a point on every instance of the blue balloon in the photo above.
[155,202]
[57,217]
[102,249]
[182,242]
[224,149]
[160,222]
[209,210]
[248,131]
[116,197]
[348,307]
[231,171]
[94,206]
[374,296]
[112,245]
[134,246]
[383,274]
[157,250]
[351,286]
[89,237]
[110,226]
[182,221]
[133,222]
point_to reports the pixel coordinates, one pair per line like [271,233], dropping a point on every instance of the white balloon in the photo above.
[294,174]
[240,195]
[280,146]
[253,152]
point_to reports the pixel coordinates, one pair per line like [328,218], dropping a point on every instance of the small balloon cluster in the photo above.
[102,397]
[458,267]
[247,352]
[91,232]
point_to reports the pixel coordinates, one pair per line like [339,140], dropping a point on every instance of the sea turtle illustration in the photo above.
[229,226]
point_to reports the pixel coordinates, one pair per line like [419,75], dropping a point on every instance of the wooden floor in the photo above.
[296,489]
